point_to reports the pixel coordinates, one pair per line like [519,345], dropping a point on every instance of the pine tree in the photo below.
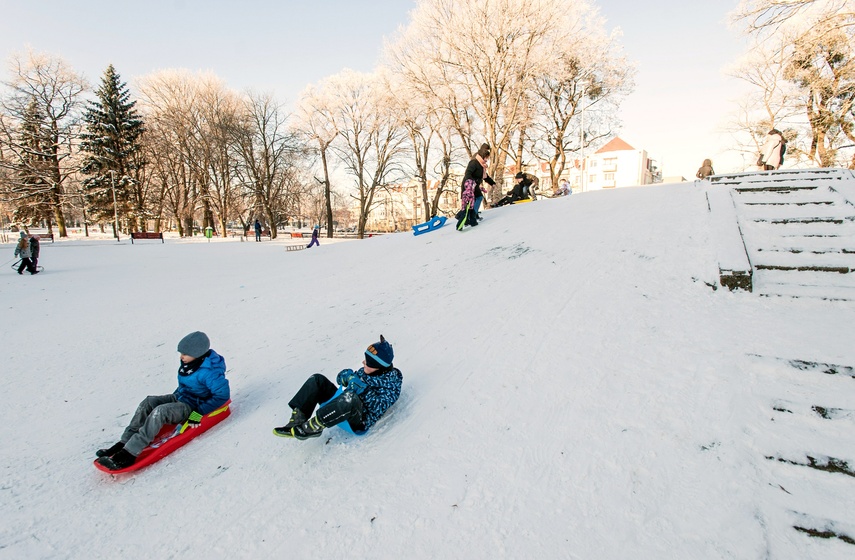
[111,143]
[29,188]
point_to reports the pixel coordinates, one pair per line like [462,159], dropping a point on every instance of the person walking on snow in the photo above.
[314,241]
[705,170]
[202,388]
[367,394]
[22,249]
[35,250]
[257,231]
[772,152]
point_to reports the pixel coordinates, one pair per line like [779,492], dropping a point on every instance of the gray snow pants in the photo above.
[152,413]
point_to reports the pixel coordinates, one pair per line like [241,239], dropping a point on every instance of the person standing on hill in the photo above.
[22,249]
[772,152]
[257,231]
[471,195]
[705,170]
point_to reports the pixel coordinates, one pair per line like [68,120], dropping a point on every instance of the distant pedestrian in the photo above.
[563,189]
[22,249]
[314,241]
[35,249]
[257,231]
[772,152]
[705,170]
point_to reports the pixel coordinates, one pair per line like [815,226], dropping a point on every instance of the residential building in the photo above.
[616,164]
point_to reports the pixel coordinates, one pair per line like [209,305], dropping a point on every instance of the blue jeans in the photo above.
[478,201]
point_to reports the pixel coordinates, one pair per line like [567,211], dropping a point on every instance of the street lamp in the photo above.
[115,206]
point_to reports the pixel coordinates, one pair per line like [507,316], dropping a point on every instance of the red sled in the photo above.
[170,438]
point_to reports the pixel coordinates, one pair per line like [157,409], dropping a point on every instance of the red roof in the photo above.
[615,145]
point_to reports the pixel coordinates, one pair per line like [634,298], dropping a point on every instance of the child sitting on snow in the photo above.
[202,388]
[366,394]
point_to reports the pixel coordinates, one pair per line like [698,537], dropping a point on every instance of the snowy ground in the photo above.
[573,388]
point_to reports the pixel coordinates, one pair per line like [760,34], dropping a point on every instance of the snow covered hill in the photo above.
[574,387]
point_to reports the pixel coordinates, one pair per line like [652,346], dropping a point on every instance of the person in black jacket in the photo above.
[471,195]
[519,190]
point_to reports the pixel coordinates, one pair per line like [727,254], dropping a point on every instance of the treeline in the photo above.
[538,80]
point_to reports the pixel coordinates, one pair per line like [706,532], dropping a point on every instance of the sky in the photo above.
[680,104]
[573,388]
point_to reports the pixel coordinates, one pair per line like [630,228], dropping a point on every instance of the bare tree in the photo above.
[168,103]
[429,141]
[39,130]
[802,65]
[478,60]
[316,121]
[587,74]
[771,16]
[215,134]
[269,153]
[370,137]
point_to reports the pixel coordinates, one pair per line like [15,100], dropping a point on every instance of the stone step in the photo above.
[792,283]
[835,262]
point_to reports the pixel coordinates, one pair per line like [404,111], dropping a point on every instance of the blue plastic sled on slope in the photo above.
[434,223]
[346,425]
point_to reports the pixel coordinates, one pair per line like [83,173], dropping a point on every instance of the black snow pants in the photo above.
[317,390]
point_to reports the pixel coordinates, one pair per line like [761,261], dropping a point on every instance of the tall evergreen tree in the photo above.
[111,143]
[29,189]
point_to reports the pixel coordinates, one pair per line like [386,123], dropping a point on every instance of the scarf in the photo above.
[191,367]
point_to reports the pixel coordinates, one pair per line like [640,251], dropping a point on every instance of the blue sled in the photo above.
[345,425]
[430,225]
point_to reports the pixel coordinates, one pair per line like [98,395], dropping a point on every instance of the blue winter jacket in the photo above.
[207,388]
[380,393]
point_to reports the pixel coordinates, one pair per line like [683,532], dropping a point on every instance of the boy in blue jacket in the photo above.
[366,394]
[202,388]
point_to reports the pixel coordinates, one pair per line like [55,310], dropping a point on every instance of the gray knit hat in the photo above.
[194,344]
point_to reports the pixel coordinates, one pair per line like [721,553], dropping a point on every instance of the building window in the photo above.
[593,164]
[592,178]
[575,180]
[608,176]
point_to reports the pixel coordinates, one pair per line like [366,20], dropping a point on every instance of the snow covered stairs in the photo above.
[802,417]
[798,229]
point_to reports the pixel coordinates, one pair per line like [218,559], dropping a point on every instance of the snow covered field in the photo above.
[573,388]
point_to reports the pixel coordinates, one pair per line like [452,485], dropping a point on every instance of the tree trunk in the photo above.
[327,193]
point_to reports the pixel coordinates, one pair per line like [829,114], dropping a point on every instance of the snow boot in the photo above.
[110,451]
[297,418]
[122,459]
[310,429]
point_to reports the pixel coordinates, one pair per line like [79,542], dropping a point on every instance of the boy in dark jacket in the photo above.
[366,394]
[202,388]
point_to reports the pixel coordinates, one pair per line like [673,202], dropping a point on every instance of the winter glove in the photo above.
[344,377]
[193,420]
[357,385]
[349,380]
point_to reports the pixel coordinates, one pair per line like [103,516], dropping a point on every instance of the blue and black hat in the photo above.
[380,354]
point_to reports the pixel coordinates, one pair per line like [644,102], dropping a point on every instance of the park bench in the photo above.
[146,235]
[43,236]
[296,235]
